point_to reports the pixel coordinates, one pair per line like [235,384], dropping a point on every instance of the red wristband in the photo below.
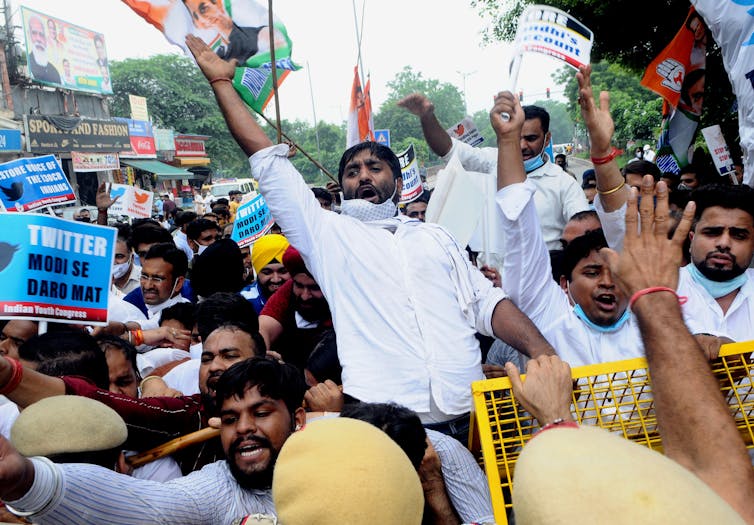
[17,373]
[653,289]
[219,79]
[615,152]
[557,423]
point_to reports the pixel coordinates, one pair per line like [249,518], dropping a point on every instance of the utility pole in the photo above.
[464,75]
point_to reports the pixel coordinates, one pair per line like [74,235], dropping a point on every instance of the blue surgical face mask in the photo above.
[605,329]
[535,162]
[716,289]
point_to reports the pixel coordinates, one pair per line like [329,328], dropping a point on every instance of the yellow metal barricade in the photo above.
[615,396]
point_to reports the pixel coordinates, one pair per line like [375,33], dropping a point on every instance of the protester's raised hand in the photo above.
[598,121]
[211,65]
[507,104]
[16,472]
[546,392]
[324,397]
[102,199]
[649,258]
[417,104]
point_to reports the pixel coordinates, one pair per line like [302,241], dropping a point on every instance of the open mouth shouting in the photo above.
[368,193]
[607,302]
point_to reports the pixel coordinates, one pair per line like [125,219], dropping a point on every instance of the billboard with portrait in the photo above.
[64,55]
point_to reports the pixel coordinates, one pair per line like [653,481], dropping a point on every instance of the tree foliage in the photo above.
[629,33]
[178,97]
[403,126]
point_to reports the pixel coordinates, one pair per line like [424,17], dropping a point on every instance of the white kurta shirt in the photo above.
[405,301]
[558,195]
[527,278]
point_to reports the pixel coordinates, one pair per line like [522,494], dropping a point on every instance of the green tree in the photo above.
[629,33]
[637,112]
[447,99]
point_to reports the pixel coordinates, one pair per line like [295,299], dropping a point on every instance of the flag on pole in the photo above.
[360,125]
[732,26]
[234,29]
[677,74]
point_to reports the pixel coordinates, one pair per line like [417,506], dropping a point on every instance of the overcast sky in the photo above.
[440,38]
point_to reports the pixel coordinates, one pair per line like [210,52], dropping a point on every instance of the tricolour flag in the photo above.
[234,29]
[360,124]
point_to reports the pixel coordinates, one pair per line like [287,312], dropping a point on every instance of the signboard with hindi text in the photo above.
[412,181]
[30,183]
[253,219]
[55,270]
[64,55]
[132,201]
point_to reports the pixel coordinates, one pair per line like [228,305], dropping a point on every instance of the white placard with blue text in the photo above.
[253,220]
[54,270]
[31,183]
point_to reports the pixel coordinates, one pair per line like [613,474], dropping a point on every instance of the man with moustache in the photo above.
[39,62]
[294,319]
[152,421]
[259,402]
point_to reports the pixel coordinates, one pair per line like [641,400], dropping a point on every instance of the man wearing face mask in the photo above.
[201,233]
[125,273]
[558,196]
[405,331]
[586,317]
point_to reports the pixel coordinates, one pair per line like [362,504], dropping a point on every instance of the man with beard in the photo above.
[267,261]
[717,283]
[152,421]
[294,319]
[259,401]
[39,64]
[406,302]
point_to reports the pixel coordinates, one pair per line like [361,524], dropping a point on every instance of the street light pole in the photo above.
[464,75]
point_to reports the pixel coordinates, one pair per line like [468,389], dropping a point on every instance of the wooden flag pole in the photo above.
[271,27]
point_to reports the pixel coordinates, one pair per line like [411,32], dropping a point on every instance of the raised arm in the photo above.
[610,185]
[220,73]
[694,420]
[436,137]
[510,163]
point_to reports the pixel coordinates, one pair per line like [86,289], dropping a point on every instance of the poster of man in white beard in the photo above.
[39,65]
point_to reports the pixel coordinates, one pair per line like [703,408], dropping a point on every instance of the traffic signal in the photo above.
[548,92]
[520,96]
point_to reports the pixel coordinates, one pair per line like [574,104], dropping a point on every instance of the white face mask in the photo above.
[366,211]
[201,249]
[119,270]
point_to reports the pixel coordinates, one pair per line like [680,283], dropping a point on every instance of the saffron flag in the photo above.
[234,29]
[360,125]
[732,26]
[677,74]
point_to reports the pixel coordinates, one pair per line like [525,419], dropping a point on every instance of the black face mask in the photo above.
[83,219]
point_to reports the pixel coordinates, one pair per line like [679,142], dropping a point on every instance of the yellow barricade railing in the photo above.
[615,396]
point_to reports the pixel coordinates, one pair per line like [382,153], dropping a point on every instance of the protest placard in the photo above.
[466,131]
[132,201]
[253,219]
[31,183]
[54,269]
[412,182]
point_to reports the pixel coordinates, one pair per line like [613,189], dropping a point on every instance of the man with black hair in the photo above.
[454,485]
[125,272]
[180,236]
[586,317]
[201,233]
[558,195]
[634,172]
[324,197]
[259,402]
[406,333]
[417,208]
